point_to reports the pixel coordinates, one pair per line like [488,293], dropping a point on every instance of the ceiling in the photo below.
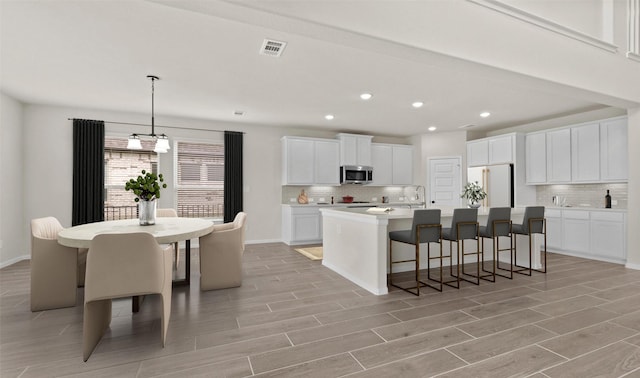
[97,54]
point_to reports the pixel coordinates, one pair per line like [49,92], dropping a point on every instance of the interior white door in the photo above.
[444,179]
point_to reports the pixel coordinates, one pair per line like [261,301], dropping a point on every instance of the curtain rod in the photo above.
[168,127]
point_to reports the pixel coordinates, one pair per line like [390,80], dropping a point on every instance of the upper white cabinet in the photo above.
[585,153]
[478,153]
[355,149]
[614,161]
[501,149]
[392,164]
[402,165]
[490,151]
[309,161]
[536,158]
[327,162]
[559,156]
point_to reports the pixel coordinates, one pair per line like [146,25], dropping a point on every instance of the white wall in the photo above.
[12,221]
[633,209]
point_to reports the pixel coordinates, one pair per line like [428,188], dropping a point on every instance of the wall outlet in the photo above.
[401,199]
[292,200]
[613,202]
[374,199]
[321,199]
[310,199]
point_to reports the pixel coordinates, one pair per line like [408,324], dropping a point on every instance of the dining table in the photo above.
[165,231]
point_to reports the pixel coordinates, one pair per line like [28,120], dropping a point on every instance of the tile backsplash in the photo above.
[588,195]
[358,192]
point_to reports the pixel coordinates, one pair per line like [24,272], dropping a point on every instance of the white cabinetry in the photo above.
[608,236]
[596,234]
[392,164]
[575,231]
[614,161]
[585,153]
[490,151]
[501,149]
[477,153]
[559,156]
[355,149]
[301,224]
[309,161]
[327,162]
[536,158]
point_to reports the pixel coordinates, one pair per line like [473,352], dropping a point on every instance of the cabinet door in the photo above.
[298,161]
[614,162]
[348,150]
[575,230]
[363,151]
[501,150]
[327,162]
[585,153]
[477,153]
[536,158]
[402,165]
[381,160]
[559,156]
[608,235]
[306,227]
[554,233]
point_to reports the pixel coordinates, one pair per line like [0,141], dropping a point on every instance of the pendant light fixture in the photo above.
[162,141]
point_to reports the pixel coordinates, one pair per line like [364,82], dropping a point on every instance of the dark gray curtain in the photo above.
[232,174]
[88,171]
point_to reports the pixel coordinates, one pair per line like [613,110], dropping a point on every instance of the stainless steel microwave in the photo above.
[356,174]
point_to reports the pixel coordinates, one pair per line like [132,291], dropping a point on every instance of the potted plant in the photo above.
[146,188]
[474,193]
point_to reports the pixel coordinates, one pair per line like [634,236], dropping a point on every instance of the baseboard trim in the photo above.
[632,266]
[263,241]
[14,260]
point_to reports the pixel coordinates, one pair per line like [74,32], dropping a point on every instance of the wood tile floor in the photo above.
[293,317]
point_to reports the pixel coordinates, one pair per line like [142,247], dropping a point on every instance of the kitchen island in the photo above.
[356,243]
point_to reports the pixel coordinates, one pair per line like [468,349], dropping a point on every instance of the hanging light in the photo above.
[162,141]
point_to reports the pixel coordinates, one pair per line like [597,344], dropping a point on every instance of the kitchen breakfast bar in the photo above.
[356,243]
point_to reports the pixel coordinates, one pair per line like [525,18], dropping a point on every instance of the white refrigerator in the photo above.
[497,182]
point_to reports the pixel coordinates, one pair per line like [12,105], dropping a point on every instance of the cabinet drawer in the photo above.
[607,216]
[552,213]
[576,214]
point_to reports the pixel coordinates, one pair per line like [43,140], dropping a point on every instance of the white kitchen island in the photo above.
[356,243]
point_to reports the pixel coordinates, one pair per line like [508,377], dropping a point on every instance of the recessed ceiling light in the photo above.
[366,96]
[485,114]
[417,104]
[432,128]
[329,117]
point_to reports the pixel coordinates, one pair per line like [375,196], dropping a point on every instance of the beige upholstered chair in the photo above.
[123,265]
[56,270]
[221,255]
[170,213]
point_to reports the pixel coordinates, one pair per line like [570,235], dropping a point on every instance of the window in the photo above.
[200,179]
[121,165]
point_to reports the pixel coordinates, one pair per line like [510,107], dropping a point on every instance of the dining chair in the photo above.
[221,255]
[464,226]
[425,228]
[56,270]
[170,213]
[119,266]
[533,222]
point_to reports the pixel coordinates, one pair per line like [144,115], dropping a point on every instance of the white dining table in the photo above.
[166,231]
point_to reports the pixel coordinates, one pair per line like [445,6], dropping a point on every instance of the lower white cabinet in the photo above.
[301,224]
[596,234]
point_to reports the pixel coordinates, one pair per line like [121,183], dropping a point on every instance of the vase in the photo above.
[147,212]
[474,204]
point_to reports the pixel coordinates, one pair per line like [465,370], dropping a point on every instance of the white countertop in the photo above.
[342,204]
[588,208]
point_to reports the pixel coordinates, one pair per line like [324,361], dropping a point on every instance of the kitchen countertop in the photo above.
[363,204]
[588,208]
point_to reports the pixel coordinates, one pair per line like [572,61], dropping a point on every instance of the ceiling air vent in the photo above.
[272,48]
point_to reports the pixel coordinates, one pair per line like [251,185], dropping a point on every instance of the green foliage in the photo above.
[146,187]
[473,191]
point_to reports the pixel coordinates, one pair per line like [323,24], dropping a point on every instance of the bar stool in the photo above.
[425,228]
[498,225]
[464,226]
[532,223]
